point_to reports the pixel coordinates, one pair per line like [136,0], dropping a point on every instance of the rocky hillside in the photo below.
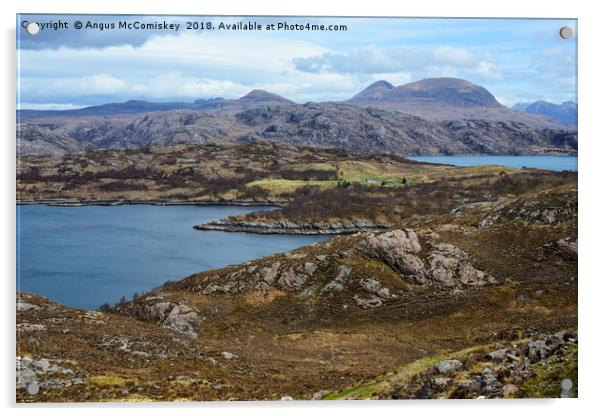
[319,125]
[463,303]
[434,116]
[445,99]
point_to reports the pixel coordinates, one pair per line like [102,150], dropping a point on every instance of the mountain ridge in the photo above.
[431,98]
[427,117]
[330,125]
[565,113]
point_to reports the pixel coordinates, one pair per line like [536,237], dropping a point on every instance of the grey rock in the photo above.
[174,315]
[447,265]
[441,381]
[369,302]
[509,390]
[497,355]
[448,366]
[27,327]
[229,356]
[370,285]
[23,306]
[319,395]
[568,247]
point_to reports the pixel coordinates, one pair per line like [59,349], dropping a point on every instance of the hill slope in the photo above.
[459,292]
[323,125]
[444,99]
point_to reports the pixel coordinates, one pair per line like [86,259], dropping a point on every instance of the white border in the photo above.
[590,151]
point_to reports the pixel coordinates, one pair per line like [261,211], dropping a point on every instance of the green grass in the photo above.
[399,376]
[279,186]
[546,383]
[358,391]
[108,381]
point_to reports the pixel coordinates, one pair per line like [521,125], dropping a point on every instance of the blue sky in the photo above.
[517,60]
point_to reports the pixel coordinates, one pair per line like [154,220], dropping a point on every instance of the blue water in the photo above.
[557,163]
[85,256]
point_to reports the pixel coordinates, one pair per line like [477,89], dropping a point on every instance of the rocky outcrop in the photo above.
[544,208]
[176,315]
[43,373]
[284,226]
[438,264]
[496,373]
[327,279]
[568,248]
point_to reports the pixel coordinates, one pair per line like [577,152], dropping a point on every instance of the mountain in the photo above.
[565,113]
[264,97]
[208,102]
[432,116]
[444,99]
[334,125]
[128,107]
[255,98]
[375,91]
[252,99]
[451,91]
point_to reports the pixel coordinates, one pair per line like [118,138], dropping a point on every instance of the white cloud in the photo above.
[93,85]
[176,84]
[48,106]
[100,84]
[407,62]
[449,55]
[487,70]
[528,62]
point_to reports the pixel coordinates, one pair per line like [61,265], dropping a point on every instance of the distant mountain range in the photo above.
[565,113]
[252,99]
[432,116]
[111,109]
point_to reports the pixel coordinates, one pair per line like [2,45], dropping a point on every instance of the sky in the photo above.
[517,60]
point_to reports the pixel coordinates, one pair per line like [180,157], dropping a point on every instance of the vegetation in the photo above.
[332,319]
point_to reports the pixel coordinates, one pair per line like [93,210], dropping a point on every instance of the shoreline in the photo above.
[305,229]
[309,230]
[292,228]
[117,202]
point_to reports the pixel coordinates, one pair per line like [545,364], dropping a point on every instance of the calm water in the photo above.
[557,163]
[85,256]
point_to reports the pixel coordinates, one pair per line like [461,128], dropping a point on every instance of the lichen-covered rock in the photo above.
[30,370]
[545,208]
[269,273]
[449,366]
[441,264]
[368,301]
[449,266]
[568,248]
[397,249]
[338,283]
[175,315]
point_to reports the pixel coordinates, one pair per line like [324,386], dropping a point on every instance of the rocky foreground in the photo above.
[479,301]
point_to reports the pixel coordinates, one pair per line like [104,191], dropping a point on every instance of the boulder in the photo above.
[368,302]
[319,395]
[448,366]
[568,248]
[397,249]
[509,390]
[446,264]
[174,315]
